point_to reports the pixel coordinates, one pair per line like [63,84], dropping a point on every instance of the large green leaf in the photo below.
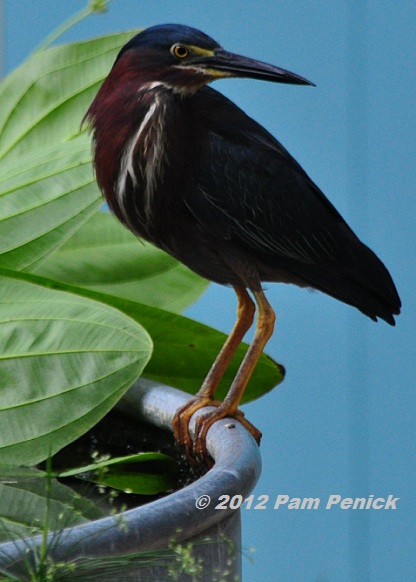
[104,256]
[43,199]
[47,188]
[28,495]
[44,100]
[143,473]
[183,349]
[65,360]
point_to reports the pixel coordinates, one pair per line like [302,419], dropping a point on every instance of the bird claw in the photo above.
[195,455]
[199,449]
[204,423]
[181,427]
[196,452]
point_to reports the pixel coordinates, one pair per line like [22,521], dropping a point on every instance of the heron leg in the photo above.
[229,407]
[205,395]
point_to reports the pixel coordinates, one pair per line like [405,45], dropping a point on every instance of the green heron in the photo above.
[183,167]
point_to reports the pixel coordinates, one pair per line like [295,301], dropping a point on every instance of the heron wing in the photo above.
[251,190]
[253,193]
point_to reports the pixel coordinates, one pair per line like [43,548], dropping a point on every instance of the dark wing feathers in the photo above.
[255,194]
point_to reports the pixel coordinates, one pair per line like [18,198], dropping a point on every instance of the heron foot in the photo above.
[181,426]
[196,451]
[204,423]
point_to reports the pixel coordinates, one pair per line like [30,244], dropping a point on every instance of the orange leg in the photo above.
[205,396]
[264,329]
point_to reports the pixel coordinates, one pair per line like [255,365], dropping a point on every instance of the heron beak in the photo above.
[227,64]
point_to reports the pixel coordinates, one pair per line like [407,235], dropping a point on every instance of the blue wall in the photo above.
[343,421]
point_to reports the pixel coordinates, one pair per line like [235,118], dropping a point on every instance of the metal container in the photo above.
[188,515]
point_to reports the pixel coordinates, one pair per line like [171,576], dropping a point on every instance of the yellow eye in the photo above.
[179,51]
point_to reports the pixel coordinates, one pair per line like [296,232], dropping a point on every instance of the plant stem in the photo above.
[92,6]
[43,554]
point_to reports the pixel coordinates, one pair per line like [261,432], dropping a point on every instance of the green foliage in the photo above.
[65,361]
[27,495]
[47,187]
[156,474]
[104,256]
[183,349]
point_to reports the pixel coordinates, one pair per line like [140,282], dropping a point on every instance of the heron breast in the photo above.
[142,164]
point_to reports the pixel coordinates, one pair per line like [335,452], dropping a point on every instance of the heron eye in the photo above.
[179,51]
